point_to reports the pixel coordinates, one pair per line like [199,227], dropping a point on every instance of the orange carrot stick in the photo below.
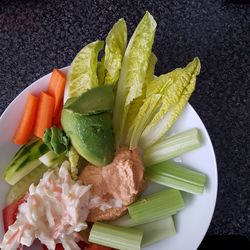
[26,125]
[45,113]
[56,88]
[57,116]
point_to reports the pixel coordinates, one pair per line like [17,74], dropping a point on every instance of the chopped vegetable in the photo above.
[124,221]
[176,96]
[133,72]
[51,159]
[26,125]
[91,135]
[175,175]
[156,206]
[57,116]
[81,244]
[21,187]
[10,212]
[83,70]
[116,43]
[24,161]
[56,140]
[116,237]
[93,101]
[127,221]
[157,230]
[45,114]
[98,247]
[56,88]
[173,146]
[87,121]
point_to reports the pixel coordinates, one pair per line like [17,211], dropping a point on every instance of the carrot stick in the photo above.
[56,88]
[45,113]
[26,125]
[57,116]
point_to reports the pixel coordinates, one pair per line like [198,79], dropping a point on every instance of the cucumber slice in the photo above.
[21,187]
[25,160]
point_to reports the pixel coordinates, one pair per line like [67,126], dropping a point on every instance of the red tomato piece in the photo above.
[98,247]
[9,213]
[81,244]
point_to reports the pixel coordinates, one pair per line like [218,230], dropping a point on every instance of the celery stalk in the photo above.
[152,231]
[156,206]
[116,237]
[51,159]
[172,147]
[157,230]
[124,221]
[175,175]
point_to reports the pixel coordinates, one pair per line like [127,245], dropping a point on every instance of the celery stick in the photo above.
[156,206]
[126,221]
[157,230]
[175,175]
[116,237]
[51,159]
[172,147]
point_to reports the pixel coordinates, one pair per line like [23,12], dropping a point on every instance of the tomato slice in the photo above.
[9,213]
[98,247]
[83,245]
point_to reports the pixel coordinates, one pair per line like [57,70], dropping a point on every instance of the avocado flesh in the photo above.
[94,101]
[91,135]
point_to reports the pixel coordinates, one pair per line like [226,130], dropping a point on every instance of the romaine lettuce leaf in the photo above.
[83,70]
[133,72]
[138,105]
[141,120]
[161,83]
[175,98]
[116,43]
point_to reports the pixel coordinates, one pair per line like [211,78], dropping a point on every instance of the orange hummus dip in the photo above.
[114,186]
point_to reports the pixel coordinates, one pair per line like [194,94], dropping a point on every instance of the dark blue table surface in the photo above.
[36,36]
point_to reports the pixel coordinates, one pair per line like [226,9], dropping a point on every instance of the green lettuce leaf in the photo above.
[138,102]
[141,120]
[150,70]
[161,83]
[83,70]
[133,72]
[175,98]
[139,108]
[116,43]
[56,140]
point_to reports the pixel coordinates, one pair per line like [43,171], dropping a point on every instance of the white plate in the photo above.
[191,223]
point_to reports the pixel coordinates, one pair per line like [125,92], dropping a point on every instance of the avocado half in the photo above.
[90,128]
